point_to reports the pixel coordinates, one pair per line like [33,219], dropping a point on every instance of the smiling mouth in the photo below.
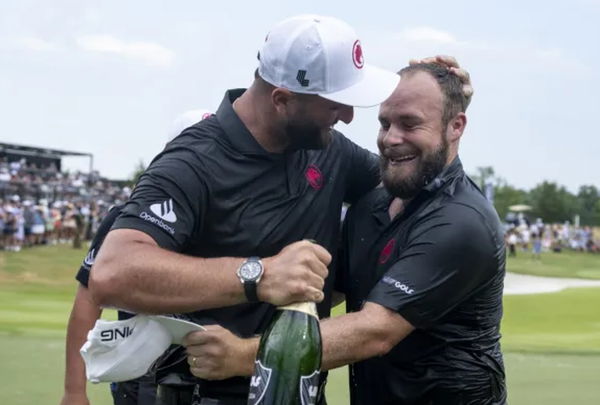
[401,159]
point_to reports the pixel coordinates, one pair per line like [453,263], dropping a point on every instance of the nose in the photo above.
[391,136]
[345,113]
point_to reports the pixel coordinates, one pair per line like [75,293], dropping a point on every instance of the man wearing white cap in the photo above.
[85,312]
[424,305]
[217,225]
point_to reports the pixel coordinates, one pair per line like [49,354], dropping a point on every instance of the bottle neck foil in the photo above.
[307,307]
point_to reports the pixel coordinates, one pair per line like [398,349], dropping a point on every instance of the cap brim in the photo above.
[127,357]
[178,327]
[375,87]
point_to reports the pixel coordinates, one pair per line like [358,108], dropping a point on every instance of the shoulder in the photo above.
[202,136]
[190,153]
[361,215]
[110,217]
[371,201]
[463,220]
[469,201]
[340,142]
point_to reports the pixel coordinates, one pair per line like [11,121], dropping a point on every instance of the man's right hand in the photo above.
[295,274]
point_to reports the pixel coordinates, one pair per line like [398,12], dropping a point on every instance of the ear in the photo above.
[456,127]
[280,98]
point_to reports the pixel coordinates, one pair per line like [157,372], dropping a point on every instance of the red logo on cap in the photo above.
[386,252]
[314,177]
[357,55]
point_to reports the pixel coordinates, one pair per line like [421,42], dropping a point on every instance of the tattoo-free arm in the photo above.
[132,272]
[372,331]
[84,314]
[217,354]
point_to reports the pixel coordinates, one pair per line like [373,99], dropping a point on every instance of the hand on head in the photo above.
[451,63]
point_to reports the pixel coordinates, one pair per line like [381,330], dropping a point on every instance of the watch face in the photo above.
[251,271]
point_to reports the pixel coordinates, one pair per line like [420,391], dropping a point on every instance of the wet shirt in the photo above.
[440,264]
[214,191]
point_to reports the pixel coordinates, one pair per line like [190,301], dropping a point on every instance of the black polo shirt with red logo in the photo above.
[214,192]
[440,264]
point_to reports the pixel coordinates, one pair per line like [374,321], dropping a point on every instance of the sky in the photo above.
[110,77]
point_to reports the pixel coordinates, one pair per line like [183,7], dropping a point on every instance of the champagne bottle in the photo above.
[287,366]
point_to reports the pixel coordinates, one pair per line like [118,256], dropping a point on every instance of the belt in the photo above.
[189,395]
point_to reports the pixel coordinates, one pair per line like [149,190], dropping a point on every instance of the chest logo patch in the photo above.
[386,252]
[314,177]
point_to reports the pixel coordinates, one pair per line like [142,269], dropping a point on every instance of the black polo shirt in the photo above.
[440,264]
[83,274]
[214,192]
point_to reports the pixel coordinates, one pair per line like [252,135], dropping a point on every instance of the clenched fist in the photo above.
[295,274]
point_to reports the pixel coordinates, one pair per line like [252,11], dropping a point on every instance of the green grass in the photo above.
[564,264]
[551,341]
[564,322]
[32,371]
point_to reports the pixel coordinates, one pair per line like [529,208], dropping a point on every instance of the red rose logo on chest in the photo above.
[314,177]
[386,252]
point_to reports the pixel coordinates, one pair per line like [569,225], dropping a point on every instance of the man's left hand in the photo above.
[217,354]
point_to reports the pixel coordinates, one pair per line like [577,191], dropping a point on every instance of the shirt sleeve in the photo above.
[449,255]
[169,201]
[83,274]
[363,171]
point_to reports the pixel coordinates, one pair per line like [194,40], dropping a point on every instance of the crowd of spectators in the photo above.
[537,237]
[41,205]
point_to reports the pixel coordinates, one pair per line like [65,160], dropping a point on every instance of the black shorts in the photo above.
[141,391]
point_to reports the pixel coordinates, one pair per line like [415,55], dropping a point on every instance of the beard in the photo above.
[306,135]
[408,186]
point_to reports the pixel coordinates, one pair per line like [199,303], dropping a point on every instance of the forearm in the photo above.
[345,339]
[82,319]
[357,336]
[136,274]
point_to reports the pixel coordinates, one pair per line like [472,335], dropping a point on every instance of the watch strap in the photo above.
[250,287]
[250,290]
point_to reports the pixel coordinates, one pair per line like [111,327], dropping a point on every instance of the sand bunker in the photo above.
[524,284]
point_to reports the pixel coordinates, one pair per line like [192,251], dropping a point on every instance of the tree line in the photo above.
[548,200]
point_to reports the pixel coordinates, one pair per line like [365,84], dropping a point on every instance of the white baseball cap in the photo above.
[320,55]
[123,350]
[186,120]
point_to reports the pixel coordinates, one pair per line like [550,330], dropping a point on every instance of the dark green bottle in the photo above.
[288,363]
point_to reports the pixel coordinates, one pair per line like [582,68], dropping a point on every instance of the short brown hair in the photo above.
[451,85]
